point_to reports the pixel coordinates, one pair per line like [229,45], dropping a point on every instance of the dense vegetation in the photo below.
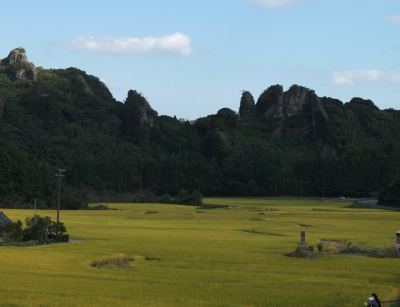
[38,230]
[69,119]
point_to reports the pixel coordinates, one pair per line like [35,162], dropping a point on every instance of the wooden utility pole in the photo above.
[34,212]
[60,174]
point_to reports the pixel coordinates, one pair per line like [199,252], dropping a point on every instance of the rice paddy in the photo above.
[189,256]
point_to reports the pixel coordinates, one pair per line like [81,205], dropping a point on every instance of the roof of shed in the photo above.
[4,220]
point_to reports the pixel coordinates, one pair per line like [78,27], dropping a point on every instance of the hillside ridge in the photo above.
[284,143]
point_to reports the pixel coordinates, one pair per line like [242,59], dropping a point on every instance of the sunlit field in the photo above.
[186,256]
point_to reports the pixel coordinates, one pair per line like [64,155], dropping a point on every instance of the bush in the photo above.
[13,232]
[389,251]
[193,199]
[38,229]
[329,249]
[166,199]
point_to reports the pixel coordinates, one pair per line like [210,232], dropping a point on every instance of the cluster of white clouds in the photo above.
[180,44]
[354,76]
[176,43]
[349,77]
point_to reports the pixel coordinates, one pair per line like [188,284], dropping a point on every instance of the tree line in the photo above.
[69,119]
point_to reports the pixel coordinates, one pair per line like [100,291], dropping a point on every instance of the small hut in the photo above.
[4,221]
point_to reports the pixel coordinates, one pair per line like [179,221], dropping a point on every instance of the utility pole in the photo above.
[34,213]
[60,174]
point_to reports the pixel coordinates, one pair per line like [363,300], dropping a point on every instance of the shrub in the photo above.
[329,249]
[38,229]
[186,198]
[388,251]
[166,199]
[375,253]
[354,249]
[13,232]
[361,205]
[391,251]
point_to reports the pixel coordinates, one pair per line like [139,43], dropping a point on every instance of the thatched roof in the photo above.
[4,220]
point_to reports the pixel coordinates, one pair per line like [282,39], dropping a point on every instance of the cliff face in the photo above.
[298,110]
[18,67]
[275,102]
[270,102]
[294,99]
[139,108]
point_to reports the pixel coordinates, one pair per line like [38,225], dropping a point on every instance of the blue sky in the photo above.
[190,58]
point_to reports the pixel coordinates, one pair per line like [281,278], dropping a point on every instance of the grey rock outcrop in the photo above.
[18,66]
[274,102]
[294,99]
[270,102]
[15,56]
[141,110]
[247,104]
[316,106]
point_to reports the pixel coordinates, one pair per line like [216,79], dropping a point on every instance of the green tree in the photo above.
[37,228]
[42,229]
[13,232]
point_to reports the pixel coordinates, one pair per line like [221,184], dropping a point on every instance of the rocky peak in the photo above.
[294,99]
[16,55]
[275,102]
[270,102]
[142,110]
[247,104]
[18,67]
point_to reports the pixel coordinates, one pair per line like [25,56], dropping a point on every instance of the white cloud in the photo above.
[395,19]
[353,76]
[272,3]
[176,43]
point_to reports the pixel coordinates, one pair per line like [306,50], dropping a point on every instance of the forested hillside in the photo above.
[284,143]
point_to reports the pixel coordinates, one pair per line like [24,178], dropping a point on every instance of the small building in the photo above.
[4,221]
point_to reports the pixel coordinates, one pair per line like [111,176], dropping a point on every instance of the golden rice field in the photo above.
[185,256]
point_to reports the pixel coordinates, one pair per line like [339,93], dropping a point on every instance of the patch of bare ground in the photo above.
[113,260]
[118,260]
